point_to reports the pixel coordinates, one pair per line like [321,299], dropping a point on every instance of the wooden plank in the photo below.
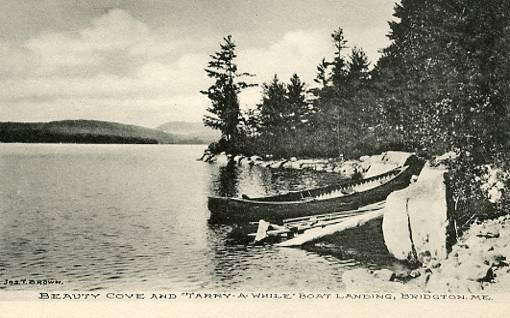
[271,233]
[321,220]
[329,222]
[319,232]
[370,207]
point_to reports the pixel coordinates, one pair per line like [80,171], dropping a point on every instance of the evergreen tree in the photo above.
[224,113]
[323,77]
[274,110]
[339,64]
[251,123]
[296,98]
[358,73]
[332,99]
[360,100]
[446,74]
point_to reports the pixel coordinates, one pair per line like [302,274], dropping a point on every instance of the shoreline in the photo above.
[477,263]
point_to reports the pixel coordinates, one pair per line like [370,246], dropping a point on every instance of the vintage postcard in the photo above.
[239,158]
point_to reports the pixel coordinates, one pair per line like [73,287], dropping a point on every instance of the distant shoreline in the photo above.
[89,132]
[85,143]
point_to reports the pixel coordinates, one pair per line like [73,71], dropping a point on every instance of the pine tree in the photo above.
[323,77]
[360,104]
[332,99]
[358,73]
[296,98]
[224,113]
[274,108]
[339,64]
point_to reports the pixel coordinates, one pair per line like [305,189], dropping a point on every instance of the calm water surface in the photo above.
[135,216]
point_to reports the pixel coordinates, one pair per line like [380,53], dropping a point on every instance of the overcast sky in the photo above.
[141,62]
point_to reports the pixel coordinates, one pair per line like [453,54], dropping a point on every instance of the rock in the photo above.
[435,264]
[387,161]
[287,165]
[222,159]
[293,159]
[416,218]
[406,276]
[210,158]
[488,235]
[278,164]
[350,168]
[361,280]
[364,158]
[238,158]
[497,260]
[268,164]
[291,165]
[443,159]
[414,273]
[384,274]
[244,161]
[425,258]
[296,165]
[495,195]
[395,227]
[428,213]
[478,262]
[402,275]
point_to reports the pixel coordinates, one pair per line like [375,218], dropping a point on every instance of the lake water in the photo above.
[121,217]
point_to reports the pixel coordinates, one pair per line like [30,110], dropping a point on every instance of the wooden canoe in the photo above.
[349,195]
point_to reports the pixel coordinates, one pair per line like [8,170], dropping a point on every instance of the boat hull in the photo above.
[240,210]
[276,209]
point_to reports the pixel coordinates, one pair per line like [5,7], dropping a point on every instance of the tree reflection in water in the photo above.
[228,181]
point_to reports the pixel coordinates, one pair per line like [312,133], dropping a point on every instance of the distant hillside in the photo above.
[192,130]
[85,131]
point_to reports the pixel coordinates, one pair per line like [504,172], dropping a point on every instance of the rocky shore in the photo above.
[365,166]
[417,228]
[477,263]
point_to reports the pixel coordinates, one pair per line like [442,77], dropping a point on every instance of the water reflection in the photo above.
[228,181]
[233,180]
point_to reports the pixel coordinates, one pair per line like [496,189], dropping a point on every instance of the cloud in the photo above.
[115,31]
[296,52]
[118,68]
[117,62]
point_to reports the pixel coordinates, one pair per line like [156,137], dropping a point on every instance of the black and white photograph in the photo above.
[320,153]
